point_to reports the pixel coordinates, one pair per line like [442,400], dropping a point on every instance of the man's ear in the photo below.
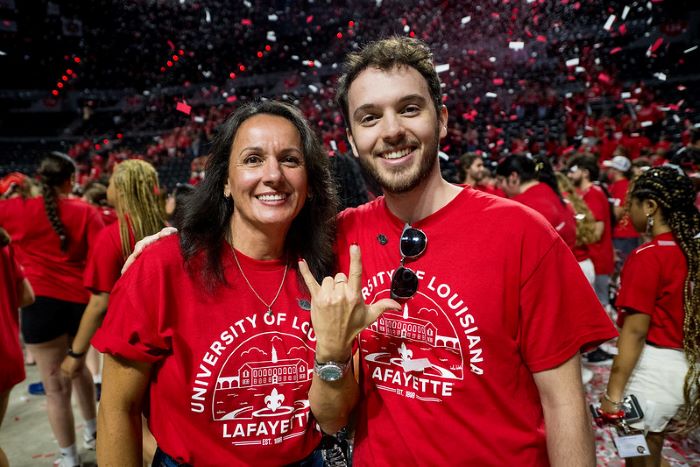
[442,121]
[348,133]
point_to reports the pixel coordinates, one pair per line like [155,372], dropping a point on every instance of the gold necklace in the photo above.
[250,286]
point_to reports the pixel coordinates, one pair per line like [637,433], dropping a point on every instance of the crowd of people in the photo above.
[268,321]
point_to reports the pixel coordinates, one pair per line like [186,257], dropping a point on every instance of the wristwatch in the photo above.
[70,353]
[331,371]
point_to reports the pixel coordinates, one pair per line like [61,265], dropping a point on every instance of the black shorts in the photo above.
[48,318]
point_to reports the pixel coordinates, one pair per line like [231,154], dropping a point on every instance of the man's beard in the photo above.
[402,184]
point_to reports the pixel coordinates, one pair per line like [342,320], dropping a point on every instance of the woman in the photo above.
[52,234]
[585,225]
[212,326]
[531,181]
[14,293]
[659,308]
[133,191]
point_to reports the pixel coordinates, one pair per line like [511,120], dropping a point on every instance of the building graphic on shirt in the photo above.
[257,380]
[417,352]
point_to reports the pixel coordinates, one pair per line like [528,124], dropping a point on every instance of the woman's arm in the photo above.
[629,347]
[124,388]
[25,294]
[91,320]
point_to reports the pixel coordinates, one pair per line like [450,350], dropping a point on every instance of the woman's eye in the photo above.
[252,159]
[291,161]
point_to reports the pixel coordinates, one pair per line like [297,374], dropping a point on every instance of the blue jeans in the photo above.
[161,459]
[602,288]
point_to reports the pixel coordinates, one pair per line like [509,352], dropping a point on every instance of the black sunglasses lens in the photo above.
[404,283]
[413,242]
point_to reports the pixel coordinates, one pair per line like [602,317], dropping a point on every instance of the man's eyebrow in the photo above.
[408,98]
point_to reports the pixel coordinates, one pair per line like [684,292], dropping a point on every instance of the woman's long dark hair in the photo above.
[206,218]
[55,170]
[530,168]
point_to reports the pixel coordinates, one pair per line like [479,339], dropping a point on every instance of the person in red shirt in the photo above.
[473,170]
[659,345]
[209,332]
[625,238]
[15,292]
[583,171]
[52,234]
[483,342]
[531,181]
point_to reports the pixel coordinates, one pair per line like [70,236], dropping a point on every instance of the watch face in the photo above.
[330,372]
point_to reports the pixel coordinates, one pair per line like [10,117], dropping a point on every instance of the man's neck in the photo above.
[430,196]
[585,185]
[470,181]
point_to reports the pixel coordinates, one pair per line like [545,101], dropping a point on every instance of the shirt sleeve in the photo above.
[104,262]
[638,283]
[560,313]
[599,205]
[136,326]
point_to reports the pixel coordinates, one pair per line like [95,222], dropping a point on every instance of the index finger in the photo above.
[355,273]
[309,278]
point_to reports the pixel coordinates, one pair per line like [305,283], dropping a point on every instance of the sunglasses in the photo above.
[404,282]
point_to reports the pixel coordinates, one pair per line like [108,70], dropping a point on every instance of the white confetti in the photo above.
[442,68]
[661,76]
[580,69]
[334,145]
[199,119]
[572,62]
[646,123]
[317,64]
[466,19]
[625,12]
[295,57]
[2,53]
[313,88]
[247,4]
[271,36]
[406,28]
[492,59]
[626,95]
[272,17]
[207,15]
[608,24]
[516,45]
[492,95]
[686,51]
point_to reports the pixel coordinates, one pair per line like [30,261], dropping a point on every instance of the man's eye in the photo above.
[411,109]
[368,119]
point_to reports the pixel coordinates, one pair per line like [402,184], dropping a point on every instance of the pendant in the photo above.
[269,311]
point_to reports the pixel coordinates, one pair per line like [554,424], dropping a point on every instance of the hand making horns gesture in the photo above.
[338,311]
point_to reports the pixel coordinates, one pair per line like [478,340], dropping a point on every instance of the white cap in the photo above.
[620,163]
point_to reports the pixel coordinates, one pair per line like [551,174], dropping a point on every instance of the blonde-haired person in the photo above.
[585,225]
[135,194]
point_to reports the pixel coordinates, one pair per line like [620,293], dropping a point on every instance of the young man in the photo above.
[474,360]
[473,169]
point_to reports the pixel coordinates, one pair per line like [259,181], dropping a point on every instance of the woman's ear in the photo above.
[650,207]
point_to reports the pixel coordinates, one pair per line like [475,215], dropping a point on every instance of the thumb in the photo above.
[375,310]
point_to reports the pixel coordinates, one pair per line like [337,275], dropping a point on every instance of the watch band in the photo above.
[70,353]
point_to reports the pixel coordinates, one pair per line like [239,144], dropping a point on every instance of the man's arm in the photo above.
[567,423]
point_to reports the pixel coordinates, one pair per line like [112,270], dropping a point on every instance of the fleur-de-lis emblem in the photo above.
[406,354]
[274,400]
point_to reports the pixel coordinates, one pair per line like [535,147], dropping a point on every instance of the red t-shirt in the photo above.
[618,192]
[53,273]
[106,259]
[109,215]
[542,199]
[11,358]
[230,383]
[602,253]
[652,282]
[500,297]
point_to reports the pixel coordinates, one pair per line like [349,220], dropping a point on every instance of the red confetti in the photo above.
[268,48]
[622,29]
[183,107]
[76,59]
[232,75]
[54,92]
[351,24]
[241,67]
[171,45]
[230,99]
[498,81]
[59,85]
[657,44]
[246,22]
[259,54]
[309,19]
[64,78]
[69,71]
[339,35]
[603,78]
[615,50]
[541,39]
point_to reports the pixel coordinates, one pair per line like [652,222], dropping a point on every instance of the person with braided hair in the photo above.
[659,345]
[52,234]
